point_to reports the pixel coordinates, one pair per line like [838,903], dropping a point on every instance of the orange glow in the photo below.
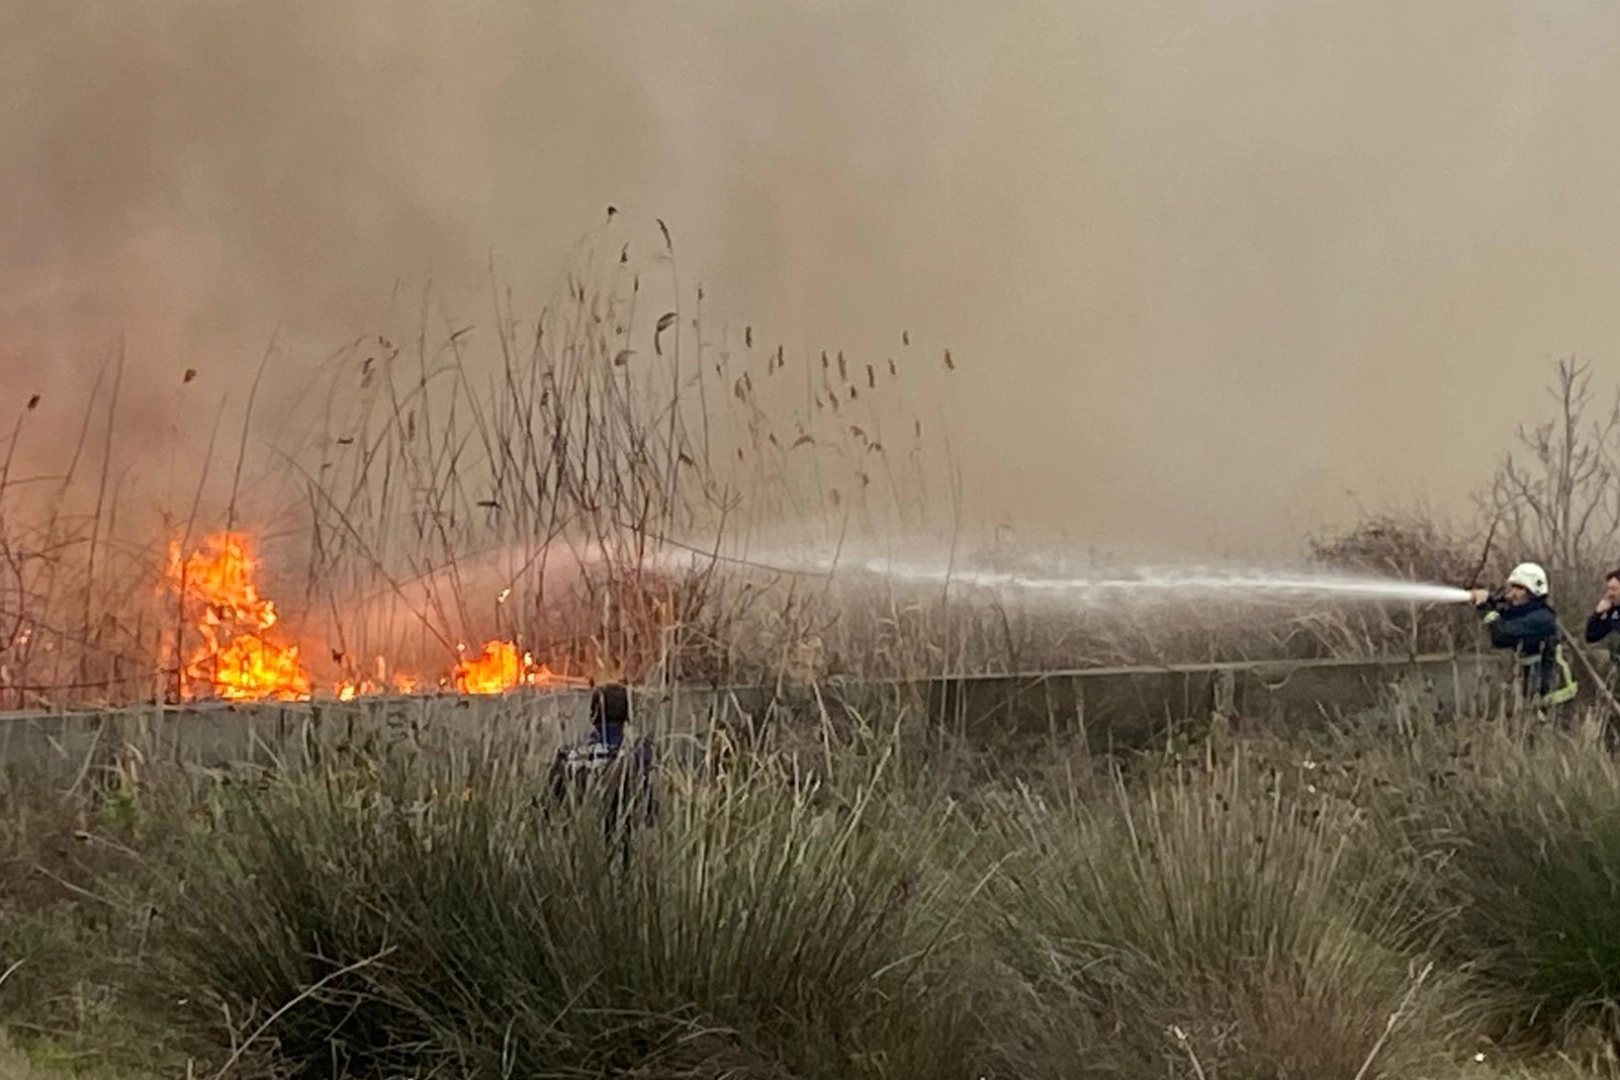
[239,658]
[382,682]
[244,657]
[500,667]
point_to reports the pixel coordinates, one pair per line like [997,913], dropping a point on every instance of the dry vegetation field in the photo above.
[838,900]
[829,900]
[590,489]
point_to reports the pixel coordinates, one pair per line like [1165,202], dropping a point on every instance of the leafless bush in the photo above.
[1558,497]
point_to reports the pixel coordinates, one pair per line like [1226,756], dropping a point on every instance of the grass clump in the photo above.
[1207,922]
[76,916]
[439,919]
[1520,829]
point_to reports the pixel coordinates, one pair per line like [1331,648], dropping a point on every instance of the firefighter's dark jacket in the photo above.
[1525,628]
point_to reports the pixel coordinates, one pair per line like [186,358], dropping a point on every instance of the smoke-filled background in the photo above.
[1212,271]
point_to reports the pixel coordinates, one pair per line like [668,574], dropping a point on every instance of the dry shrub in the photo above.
[1411,547]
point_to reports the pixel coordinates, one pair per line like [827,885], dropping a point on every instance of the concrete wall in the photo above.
[1109,708]
[273,735]
[1134,706]
[1131,707]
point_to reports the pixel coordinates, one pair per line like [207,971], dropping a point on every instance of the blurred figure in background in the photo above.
[1604,621]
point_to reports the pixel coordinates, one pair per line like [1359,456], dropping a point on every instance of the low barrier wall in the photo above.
[1130,706]
[1109,708]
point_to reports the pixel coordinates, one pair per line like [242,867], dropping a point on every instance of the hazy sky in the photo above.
[1208,267]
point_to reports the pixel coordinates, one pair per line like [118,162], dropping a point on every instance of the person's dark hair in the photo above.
[610,705]
[1612,575]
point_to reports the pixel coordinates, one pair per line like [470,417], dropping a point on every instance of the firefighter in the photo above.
[1519,617]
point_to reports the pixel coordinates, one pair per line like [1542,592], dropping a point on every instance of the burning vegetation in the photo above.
[240,655]
[234,648]
[500,667]
[563,446]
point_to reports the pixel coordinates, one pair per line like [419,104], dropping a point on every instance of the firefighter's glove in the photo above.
[1492,616]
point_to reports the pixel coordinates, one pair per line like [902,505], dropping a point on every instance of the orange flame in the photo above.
[243,658]
[500,667]
[239,659]
[399,682]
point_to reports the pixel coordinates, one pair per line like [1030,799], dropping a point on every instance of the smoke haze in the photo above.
[1214,271]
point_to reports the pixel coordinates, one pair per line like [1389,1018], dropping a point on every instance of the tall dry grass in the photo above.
[595,480]
[437,487]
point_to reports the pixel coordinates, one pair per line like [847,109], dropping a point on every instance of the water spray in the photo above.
[1183,582]
[1049,577]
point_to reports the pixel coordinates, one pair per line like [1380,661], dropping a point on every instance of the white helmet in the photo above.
[1529,577]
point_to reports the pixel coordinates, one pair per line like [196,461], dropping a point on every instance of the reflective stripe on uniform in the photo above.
[1568,687]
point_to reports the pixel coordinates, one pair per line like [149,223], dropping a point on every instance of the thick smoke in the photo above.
[1213,271]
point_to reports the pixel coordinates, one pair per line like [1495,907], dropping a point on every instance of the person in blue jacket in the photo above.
[623,774]
[1520,617]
